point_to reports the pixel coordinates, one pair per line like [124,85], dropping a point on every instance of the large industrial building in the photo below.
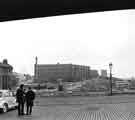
[5,73]
[65,72]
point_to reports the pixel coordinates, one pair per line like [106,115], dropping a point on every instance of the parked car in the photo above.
[34,90]
[116,91]
[52,89]
[7,100]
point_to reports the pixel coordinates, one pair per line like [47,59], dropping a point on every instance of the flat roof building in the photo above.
[104,73]
[66,72]
[94,73]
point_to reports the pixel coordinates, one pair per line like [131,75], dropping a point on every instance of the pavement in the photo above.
[83,111]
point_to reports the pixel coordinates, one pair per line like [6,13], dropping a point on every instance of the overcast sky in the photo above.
[92,39]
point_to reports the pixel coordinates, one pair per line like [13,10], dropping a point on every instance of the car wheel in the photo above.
[16,107]
[5,108]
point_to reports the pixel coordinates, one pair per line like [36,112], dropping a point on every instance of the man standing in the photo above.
[20,99]
[30,96]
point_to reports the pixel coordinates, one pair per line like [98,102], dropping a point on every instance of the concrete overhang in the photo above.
[26,9]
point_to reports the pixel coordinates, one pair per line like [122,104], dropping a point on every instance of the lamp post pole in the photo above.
[110,67]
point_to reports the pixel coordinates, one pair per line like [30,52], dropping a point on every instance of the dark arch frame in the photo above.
[25,9]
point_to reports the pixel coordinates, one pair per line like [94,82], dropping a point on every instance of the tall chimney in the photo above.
[35,69]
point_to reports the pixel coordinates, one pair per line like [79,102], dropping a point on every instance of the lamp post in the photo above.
[110,67]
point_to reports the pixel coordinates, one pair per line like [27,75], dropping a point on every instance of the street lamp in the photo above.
[110,67]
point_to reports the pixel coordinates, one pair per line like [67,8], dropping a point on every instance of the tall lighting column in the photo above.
[110,67]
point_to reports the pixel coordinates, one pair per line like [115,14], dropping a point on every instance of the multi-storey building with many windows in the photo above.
[66,72]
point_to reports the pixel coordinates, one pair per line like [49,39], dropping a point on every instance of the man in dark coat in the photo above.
[20,99]
[30,96]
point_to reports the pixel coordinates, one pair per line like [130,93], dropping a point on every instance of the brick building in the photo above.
[5,73]
[66,72]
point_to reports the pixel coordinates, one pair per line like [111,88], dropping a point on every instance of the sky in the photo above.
[92,39]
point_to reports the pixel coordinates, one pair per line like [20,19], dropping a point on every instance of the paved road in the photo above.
[86,111]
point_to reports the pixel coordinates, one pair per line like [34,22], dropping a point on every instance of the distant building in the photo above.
[5,73]
[93,74]
[27,77]
[20,77]
[122,83]
[104,73]
[65,72]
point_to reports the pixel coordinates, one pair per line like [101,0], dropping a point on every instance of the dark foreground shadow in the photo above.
[23,9]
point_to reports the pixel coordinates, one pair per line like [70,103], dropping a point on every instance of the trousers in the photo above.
[29,109]
[20,108]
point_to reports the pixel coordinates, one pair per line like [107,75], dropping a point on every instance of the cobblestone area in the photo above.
[103,112]
[96,112]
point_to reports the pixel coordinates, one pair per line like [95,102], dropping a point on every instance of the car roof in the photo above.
[3,91]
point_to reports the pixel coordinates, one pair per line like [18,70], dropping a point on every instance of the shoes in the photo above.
[19,114]
[22,114]
[28,113]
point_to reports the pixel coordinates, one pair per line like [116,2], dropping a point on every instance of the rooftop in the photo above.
[61,64]
[5,65]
